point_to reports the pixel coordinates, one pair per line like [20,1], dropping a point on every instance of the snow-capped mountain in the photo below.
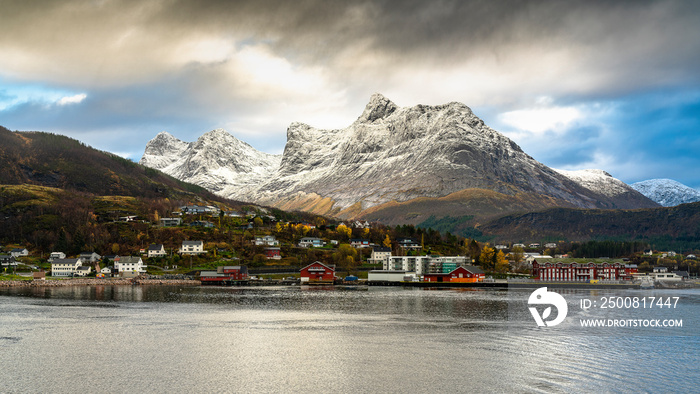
[217,161]
[598,181]
[389,154]
[667,192]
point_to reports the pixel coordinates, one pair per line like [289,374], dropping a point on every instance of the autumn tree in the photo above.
[487,258]
[502,265]
[344,231]
[387,241]
[346,258]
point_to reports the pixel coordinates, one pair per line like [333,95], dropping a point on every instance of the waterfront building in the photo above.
[582,271]
[317,272]
[224,275]
[390,276]
[65,267]
[83,270]
[129,266]
[462,274]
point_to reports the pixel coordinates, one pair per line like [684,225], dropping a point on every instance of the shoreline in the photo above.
[97,282]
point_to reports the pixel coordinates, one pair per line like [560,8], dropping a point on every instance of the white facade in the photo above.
[192,247]
[20,252]
[156,251]
[389,275]
[56,255]
[65,267]
[130,265]
[421,264]
[380,255]
[84,270]
[310,242]
[267,240]
[666,277]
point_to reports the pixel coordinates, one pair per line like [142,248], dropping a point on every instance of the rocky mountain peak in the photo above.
[379,107]
[390,154]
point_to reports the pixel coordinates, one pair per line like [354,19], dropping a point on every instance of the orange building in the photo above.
[464,274]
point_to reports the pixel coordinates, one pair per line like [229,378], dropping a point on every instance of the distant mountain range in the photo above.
[667,192]
[386,165]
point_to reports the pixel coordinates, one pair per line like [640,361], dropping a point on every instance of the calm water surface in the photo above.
[292,339]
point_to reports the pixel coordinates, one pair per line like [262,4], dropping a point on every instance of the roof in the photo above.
[155,247]
[472,269]
[318,262]
[381,249]
[192,242]
[129,260]
[65,261]
[84,268]
[18,249]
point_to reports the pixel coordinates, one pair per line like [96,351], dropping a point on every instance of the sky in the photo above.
[612,85]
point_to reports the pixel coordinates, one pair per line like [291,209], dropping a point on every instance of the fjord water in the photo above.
[343,339]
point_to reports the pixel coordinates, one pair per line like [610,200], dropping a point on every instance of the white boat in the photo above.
[646,282]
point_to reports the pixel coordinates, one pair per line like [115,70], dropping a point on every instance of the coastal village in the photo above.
[275,251]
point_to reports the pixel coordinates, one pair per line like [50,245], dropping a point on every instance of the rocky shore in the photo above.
[97,282]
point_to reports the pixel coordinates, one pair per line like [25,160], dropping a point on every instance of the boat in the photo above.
[646,282]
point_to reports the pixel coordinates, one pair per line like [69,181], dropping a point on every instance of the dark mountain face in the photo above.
[57,161]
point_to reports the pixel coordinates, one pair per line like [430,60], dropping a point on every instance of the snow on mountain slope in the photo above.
[667,192]
[217,161]
[598,181]
[389,153]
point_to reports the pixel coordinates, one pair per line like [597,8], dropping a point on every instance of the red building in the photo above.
[582,272]
[273,253]
[317,272]
[224,275]
[464,274]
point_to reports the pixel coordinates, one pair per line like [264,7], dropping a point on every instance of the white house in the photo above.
[65,267]
[550,245]
[409,243]
[380,254]
[359,243]
[90,257]
[83,270]
[192,247]
[311,242]
[268,240]
[56,255]
[170,222]
[19,252]
[129,266]
[156,250]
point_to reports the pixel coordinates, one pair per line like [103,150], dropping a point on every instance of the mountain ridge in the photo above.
[391,153]
[667,192]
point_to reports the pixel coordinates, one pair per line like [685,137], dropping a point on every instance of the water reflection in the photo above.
[282,339]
